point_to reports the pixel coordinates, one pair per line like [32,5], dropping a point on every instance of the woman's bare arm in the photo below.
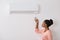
[37,26]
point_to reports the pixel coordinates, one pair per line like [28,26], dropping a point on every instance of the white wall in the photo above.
[21,26]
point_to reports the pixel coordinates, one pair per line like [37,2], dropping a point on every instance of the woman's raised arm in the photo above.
[37,27]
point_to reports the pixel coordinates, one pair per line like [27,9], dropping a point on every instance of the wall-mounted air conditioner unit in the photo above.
[24,6]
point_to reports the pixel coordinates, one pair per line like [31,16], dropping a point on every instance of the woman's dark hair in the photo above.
[48,22]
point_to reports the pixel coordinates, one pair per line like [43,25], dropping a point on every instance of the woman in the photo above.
[46,32]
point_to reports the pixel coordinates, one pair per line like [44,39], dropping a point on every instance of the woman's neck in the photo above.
[46,29]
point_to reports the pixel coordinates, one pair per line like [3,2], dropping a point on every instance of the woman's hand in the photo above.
[37,23]
[36,20]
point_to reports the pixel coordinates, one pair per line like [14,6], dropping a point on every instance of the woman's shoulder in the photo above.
[49,32]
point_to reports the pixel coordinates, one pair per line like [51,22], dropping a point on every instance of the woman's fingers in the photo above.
[36,20]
